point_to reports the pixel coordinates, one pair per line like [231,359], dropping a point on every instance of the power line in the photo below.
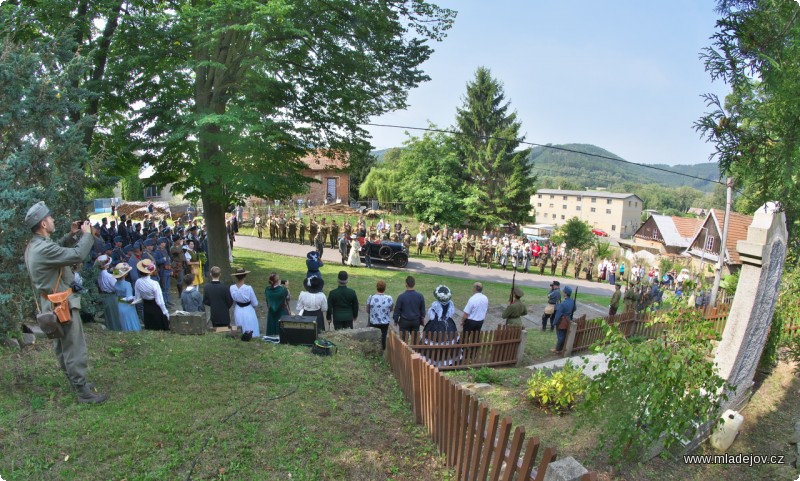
[564,149]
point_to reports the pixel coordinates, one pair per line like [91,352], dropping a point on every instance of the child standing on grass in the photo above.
[190,297]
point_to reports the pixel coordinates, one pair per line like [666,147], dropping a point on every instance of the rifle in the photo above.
[574,302]
[513,281]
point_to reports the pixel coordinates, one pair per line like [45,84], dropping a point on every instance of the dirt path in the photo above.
[430,267]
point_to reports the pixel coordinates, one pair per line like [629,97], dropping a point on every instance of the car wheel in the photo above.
[385,252]
[400,260]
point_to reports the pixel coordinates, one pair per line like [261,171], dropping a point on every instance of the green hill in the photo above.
[590,171]
[579,165]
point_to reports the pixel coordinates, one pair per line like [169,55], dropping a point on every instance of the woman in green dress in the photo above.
[277,303]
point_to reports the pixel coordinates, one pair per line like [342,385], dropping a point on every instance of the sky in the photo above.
[623,75]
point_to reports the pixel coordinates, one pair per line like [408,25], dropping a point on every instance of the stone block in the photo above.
[188,322]
[477,387]
[566,469]
[11,344]
[28,339]
[360,334]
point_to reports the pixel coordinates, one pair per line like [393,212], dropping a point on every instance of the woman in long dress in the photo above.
[128,318]
[354,258]
[277,303]
[148,291]
[313,302]
[244,298]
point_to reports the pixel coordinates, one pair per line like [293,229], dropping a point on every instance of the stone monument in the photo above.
[763,255]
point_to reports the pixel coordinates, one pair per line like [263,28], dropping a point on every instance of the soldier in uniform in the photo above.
[302,229]
[312,231]
[259,226]
[443,247]
[564,265]
[273,228]
[334,233]
[578,262]
[282,227]
[325,230]
[164,266]
[407,239]
[348,228]
[589,269]
[543,258]
[455,246]
[319,243]
[292,229]
[49,266]
[468,250]
[487,255]
[178,261]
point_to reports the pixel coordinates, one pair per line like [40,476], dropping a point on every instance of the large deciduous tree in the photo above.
[755,130]
[238,90]
[497,176]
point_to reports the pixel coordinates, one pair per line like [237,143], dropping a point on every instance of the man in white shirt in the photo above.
[475,311]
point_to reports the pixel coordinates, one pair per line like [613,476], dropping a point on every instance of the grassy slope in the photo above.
[212,406]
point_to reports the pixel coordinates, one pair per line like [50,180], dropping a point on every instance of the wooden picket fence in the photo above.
[473,438]
[588,332]
[463,350]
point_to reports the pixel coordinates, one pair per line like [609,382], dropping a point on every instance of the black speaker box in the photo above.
[298,330]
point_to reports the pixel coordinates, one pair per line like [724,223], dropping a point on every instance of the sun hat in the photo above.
[313,284]
[146,266]
[240,272]
[121,270]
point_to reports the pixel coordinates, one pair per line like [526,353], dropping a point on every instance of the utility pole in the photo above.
[721,260]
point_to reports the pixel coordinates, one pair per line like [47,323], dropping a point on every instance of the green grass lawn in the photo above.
[209,407]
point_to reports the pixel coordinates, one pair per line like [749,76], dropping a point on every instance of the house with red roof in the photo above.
[704,247]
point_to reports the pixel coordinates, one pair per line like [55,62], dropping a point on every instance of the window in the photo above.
[594,200]
[562,217]
[330,191]
[551,206]
[540,196]
[554,216]
[579,198]
[629,203]
[577,207]
[151,191]
[592,209]
[608,211]
[613,227]
[565,197]
[539,204]
[608,201]
[564,206]
[636,204]
[710,244]
[552,197]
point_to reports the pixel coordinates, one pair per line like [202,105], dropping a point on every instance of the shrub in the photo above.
[486,375]
[558,392]
[660,387]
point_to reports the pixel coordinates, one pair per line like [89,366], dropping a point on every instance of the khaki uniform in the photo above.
[45,259]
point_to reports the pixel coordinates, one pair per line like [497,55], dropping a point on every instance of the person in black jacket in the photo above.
[342,305]
[218,297]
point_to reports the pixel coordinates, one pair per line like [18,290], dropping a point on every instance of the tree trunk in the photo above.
[214,213]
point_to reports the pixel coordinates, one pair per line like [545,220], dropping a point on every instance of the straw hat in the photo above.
[146,266]
[121,270]
[240,272]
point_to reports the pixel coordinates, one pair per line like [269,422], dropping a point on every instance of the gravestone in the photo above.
[762,255]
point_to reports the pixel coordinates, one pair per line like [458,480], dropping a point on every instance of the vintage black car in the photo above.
[388,251]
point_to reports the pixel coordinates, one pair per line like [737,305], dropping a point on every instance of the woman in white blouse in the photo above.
[244,298]
[313,302]
[148,291]
[379,309]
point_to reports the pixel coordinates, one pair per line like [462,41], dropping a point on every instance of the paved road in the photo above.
[430,267]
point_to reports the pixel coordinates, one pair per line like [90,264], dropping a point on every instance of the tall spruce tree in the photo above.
[497,176]
[41,155]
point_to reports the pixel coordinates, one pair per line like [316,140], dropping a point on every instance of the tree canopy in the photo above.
[756,50]
[497,176]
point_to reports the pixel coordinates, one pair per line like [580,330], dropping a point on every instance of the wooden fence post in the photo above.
[570,342]
[416,386]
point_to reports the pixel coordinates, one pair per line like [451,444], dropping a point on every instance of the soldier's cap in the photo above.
[96,225]
[567,290]
[518,292]
[162,240]
[175,237]
[108,247]
[150,242]
[117,239]
[37,213]
[194,227]
[127,249]
[152,235]
[137,246]
[555,283]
